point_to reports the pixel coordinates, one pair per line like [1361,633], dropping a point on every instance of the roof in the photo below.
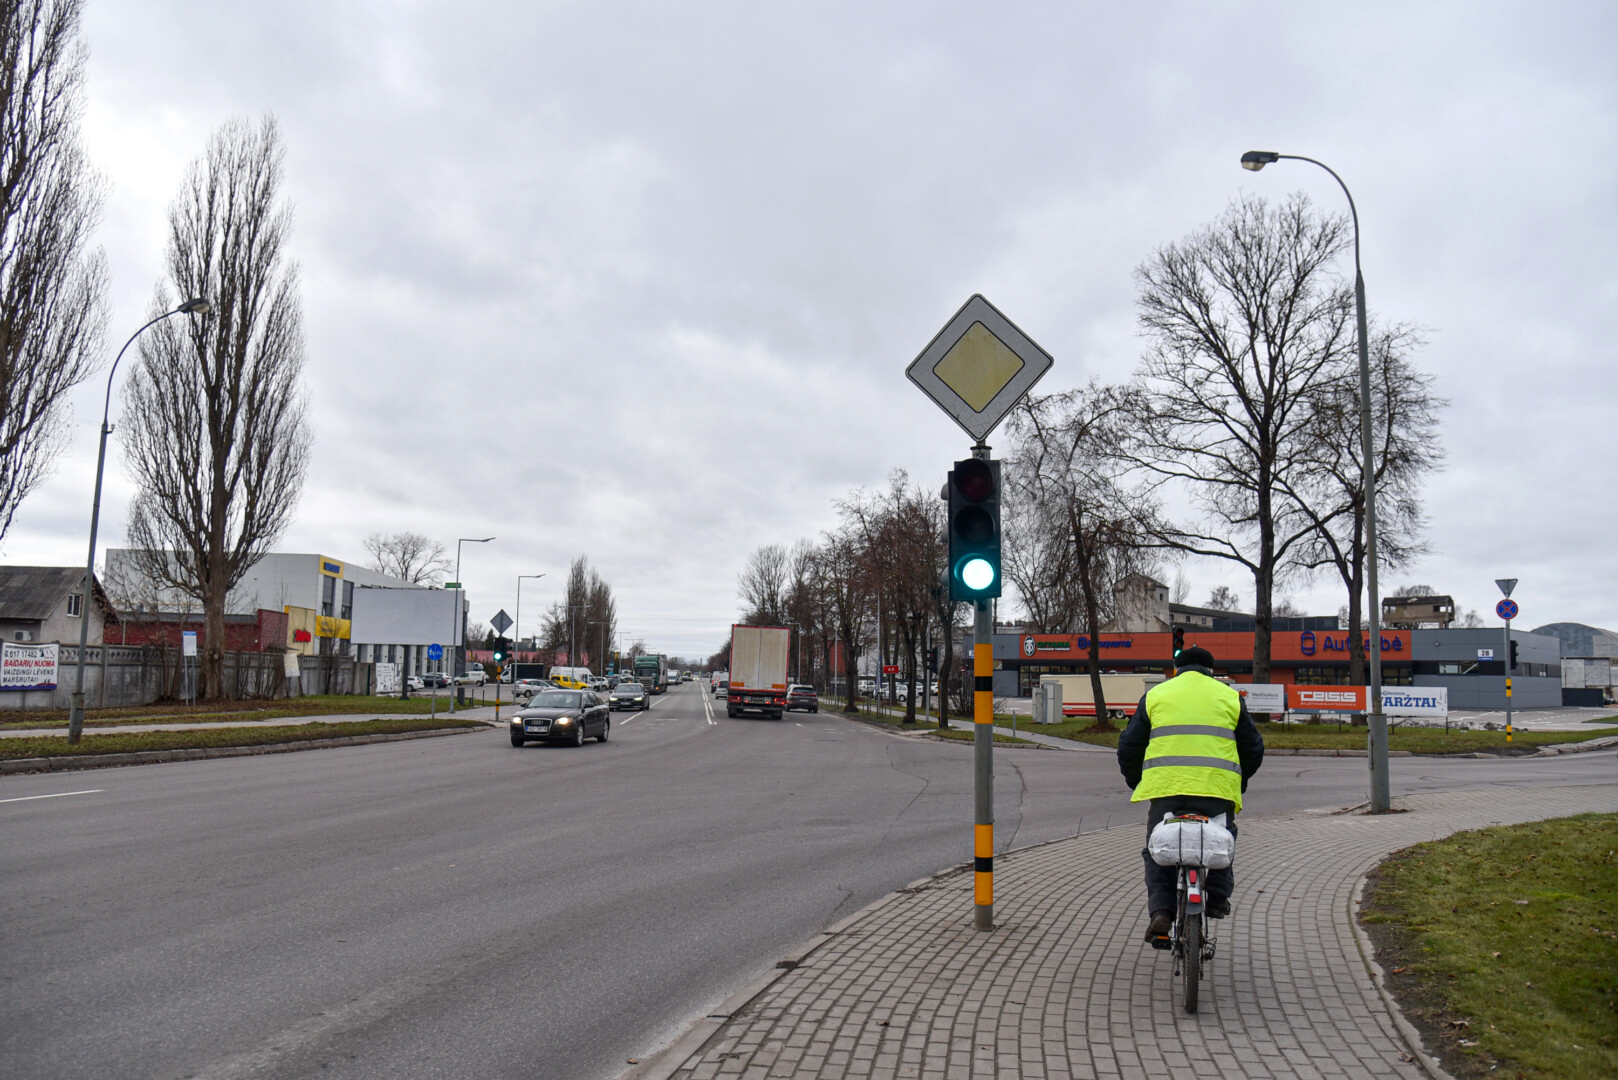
[35,592]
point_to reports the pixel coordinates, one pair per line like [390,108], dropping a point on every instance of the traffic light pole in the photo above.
[983,761]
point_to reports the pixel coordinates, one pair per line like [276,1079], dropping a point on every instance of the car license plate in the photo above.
[539,729]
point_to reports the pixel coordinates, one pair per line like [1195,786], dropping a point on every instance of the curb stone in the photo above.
[154,757]
[1407,1030]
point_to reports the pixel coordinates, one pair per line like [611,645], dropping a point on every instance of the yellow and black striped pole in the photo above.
[983,760]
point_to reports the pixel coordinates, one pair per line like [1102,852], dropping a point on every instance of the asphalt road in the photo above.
[457,907]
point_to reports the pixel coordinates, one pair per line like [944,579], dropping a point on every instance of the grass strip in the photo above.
[1502,946]
[126,742]
[214,711]
[1417,740]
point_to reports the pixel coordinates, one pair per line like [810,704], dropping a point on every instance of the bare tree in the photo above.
[52,294]
[848,594]
[1245,323]
[763,585]
[213,424]
[408,556]
[901,534]
[587,614]
[1330,489]
[1064,465]
[1224,598]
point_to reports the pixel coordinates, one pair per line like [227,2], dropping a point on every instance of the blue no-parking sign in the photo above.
[1506,609]
[435,652]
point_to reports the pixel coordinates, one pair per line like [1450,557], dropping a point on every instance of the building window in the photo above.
[348,599]
[328,596]
[75,604]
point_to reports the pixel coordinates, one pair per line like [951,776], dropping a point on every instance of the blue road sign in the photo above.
[1506,609]
[435,652]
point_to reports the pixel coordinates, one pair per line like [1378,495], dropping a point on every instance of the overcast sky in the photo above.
[640,281]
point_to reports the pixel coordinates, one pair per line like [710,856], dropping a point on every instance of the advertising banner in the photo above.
[1327,698]
[1263,697]
[1429,701]
[27,667]
[387,678]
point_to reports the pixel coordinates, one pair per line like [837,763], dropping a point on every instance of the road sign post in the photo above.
[1507,610]
[976,369]
[435,652]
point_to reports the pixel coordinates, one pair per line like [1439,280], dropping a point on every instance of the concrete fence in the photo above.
[122,675]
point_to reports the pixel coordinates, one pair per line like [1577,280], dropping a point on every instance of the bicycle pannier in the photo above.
[1191,842]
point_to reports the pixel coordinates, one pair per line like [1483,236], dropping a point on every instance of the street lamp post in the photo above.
[1381,798]
[455,639]
[517,628]
[75,724]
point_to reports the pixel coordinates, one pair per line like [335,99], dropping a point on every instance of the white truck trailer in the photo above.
[1123,693]
[758,670]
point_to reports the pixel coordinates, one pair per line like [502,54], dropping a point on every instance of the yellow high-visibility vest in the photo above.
[1193,741]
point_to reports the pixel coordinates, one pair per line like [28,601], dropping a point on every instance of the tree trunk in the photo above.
[1092,618]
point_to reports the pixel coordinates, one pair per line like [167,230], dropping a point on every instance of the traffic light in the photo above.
[502,647]
[1179,642]
[1513,666]
[932,659]
[974,530]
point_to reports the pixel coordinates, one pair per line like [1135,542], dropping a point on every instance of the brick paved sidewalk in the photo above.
[1064,987]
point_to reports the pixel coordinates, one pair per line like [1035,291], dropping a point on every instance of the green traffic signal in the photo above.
[974,529]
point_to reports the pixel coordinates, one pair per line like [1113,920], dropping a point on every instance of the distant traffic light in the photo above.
[974,530]
[1179,642]
[932,659]
[1513,666]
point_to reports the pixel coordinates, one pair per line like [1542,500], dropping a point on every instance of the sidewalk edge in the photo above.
[664,1063]
[1407,1031]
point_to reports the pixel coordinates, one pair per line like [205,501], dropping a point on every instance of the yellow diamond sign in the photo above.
[978,367]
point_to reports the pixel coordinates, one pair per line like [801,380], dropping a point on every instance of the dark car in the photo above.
[803,697]
[435,679]
[569,716]
[629,694]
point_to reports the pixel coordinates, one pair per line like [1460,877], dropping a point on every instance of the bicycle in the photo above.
[1195,844]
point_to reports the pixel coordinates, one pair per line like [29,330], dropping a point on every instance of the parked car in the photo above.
[435,679]
[523,689]
[413,682]
[801,696]
[473,677]
[629,694]
[600,685]
[568,716]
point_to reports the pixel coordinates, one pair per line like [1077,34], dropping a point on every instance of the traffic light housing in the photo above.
[932,659]
[1179,643]
[1513,665]
[502,650]
[974,530]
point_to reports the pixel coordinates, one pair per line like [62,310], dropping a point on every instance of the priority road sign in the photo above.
[978,367]
[1506,609]
[501,621]
[435,652]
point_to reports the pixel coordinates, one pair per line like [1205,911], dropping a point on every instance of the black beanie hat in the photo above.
[1194,656]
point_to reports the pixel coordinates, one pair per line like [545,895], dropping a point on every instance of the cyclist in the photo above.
[1189,748]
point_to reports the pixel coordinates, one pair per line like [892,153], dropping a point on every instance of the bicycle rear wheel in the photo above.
[1191,962]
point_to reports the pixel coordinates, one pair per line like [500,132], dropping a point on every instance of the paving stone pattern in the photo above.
[1065,987]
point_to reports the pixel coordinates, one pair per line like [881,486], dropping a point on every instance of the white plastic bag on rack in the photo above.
[1179,842]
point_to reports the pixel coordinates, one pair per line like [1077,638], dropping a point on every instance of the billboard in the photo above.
[27,667]
[385,616]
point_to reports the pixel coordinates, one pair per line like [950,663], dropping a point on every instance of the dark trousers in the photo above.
[1163,881]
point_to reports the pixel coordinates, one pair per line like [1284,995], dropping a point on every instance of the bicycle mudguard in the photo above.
[1193,892]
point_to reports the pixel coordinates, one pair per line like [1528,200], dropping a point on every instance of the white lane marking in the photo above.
[57,795]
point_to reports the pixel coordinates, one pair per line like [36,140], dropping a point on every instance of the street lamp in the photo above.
[455,631]
[1381,800]
[517,628]
[75,724]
